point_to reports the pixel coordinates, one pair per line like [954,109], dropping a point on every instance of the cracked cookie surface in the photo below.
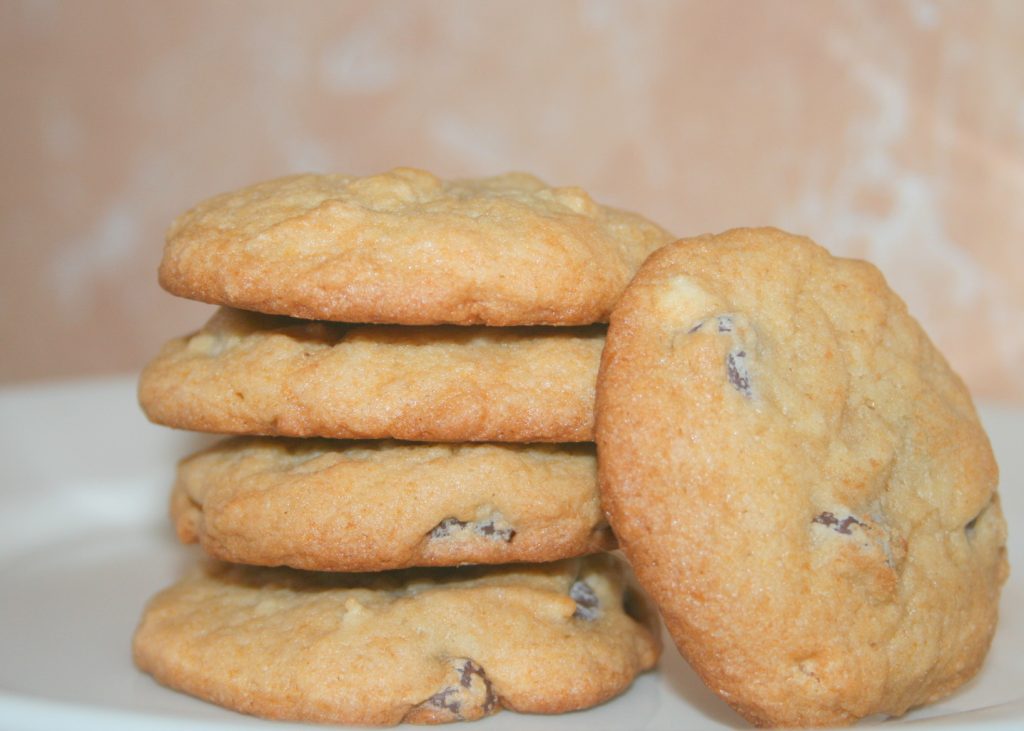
[368,506]
[406,247]
[246,373]
[799,479]
[423,646]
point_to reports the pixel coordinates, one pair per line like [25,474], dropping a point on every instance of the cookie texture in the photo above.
[368,506]
[247,373]
[422,646]
[799,479]
[406,247]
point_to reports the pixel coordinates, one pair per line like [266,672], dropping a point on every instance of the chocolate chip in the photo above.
[447,699]
[736,368]
[491,529]
[588,606]
[471,669]
[446,527]
[472,697]
[724,324]
[838,525]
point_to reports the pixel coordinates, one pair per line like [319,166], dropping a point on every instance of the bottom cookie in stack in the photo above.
[420,645]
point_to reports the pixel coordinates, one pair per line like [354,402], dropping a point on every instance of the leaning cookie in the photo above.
[799,479]
[406,247]
[369,506]
[246,373]
[423,646]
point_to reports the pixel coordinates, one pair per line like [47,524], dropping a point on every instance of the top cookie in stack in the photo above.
[408,248]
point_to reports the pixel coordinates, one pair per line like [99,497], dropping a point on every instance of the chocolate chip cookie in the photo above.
[367,506]
[799,479]
[247,373]
[406,247]
[423,646]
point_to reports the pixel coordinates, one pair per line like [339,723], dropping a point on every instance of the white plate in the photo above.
[84,541]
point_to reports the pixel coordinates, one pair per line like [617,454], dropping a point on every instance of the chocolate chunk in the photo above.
[724,324]
[588,606]
[470,670]
[838,525]
[448,700]
[469,696]
[739,376]
[491,529]
[473,697]
[446,527]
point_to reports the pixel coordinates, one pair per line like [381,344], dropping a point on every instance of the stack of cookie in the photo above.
[448,429]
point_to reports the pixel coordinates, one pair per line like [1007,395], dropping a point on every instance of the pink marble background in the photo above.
[887,130]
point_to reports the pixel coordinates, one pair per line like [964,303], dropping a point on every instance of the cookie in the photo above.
[423,646]
[367,506]
[246,373]
[406,247]
[799,479]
